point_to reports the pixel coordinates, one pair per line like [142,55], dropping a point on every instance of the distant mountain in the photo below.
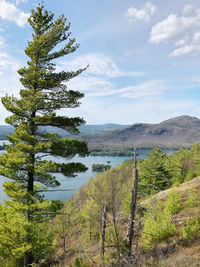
[182,130]
[4,130]
[84,129]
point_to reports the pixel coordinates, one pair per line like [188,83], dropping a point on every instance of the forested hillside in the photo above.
[167,222]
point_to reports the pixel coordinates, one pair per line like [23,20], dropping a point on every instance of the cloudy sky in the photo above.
[143,56]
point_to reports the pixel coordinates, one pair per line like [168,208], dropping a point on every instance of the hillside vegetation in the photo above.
[167,230]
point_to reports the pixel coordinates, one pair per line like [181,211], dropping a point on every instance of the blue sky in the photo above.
[143,56]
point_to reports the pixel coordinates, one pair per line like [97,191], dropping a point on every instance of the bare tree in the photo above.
[103,232]
[132,213]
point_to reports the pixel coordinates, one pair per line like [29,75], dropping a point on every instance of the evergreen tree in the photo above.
[154,173]
[44,93]
[178,164]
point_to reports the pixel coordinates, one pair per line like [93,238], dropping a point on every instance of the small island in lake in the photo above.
[100,167]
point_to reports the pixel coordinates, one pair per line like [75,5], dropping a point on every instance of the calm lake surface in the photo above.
[75,183]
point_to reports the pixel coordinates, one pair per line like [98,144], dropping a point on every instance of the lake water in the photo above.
[75,183]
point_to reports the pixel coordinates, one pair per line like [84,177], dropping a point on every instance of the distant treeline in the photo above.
[121,150]
[111,151]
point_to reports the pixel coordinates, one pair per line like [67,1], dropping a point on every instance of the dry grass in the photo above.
[183,189]
[183,257]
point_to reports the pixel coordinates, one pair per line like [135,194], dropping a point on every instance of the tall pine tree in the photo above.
[44,93]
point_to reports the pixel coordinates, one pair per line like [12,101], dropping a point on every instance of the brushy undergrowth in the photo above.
[192,198]
[173,203]
[192,229]
[157,226]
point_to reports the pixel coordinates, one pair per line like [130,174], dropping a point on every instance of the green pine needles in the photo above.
[44,93]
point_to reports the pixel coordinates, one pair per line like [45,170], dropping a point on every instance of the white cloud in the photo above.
[173,27]
[9,80]
[101,86]
[144,13]
[19,1]
[99,79]
[151,109]
[187,49]
[9,11]
[149,88]
[182,29]
[188,9]
[196,37]
[2,43]
[197,79]
[7,62]
[90,84]
[182,41]
[99,65]
[192,48]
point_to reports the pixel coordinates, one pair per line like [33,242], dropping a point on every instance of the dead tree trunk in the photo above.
[90,226]
[131,225]
[103,232]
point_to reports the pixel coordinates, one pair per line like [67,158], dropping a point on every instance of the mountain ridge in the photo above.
[178,131]
[84,129]
[174,132]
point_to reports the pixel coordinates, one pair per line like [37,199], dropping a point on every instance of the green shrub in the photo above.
[79,262]
[192,229]
[11,263]
[190,175]
[113,238]
[192,198]
[173,203]
[198,169]
[177,180]
[157,226]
